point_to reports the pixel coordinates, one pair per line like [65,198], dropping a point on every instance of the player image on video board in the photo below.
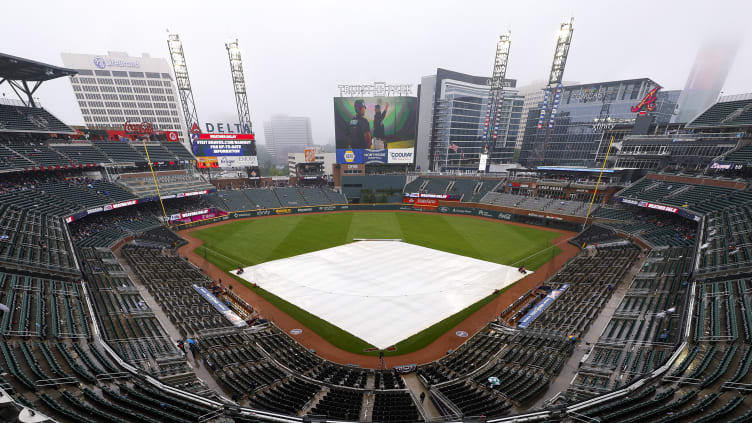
[369,126]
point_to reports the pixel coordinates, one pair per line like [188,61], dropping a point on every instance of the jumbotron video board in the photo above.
[374,130]
[225,150]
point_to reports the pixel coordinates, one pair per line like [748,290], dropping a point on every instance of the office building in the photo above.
[287,134]
[452,107]
[116,88]
[588,116]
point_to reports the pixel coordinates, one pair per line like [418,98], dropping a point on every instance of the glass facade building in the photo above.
[587,117]
[451,122]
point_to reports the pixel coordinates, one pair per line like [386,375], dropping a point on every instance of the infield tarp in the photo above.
[381,291]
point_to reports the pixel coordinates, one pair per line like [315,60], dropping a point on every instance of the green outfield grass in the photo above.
[251,242]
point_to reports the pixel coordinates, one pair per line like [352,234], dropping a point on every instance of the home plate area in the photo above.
[381,291]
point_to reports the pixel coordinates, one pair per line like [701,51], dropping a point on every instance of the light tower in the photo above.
[238,83]
[184,84]
[496,94]
[554,88]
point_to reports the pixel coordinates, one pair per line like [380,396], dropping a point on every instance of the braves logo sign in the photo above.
[648,103]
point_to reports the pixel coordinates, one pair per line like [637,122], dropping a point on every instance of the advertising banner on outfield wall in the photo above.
[540,220]
[426,202]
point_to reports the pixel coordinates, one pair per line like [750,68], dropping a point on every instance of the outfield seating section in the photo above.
[726,113]
[641,334]
[31,240]
[727,239]
[469,190]
[290,197]
[613,213]
[32,119]
[551,205]
[654,232]
[698,198]
[263,198]
[742,155]
[120,152]
[170,183]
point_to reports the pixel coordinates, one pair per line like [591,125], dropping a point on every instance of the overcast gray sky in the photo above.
[296,52]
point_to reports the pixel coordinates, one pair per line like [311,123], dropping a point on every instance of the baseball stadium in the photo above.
[588,268]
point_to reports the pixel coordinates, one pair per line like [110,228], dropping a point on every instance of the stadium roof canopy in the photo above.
[19,69]
[19,72]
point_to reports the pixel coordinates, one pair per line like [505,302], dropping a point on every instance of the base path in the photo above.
[435,350]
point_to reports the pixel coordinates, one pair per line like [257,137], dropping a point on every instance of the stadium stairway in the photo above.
[414,385]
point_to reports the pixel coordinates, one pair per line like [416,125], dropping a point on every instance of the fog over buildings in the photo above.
[296,52]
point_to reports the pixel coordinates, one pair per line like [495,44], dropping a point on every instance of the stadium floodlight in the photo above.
[238,83]
[496,93]
[180,68]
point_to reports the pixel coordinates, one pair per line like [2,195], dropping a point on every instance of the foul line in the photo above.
[541,251]
[222,255]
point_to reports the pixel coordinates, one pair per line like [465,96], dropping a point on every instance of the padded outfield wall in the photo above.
[531,217]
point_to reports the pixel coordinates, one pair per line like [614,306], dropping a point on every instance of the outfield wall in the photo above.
[531,217]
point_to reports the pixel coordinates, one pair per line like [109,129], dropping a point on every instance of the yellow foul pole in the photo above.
[600,175]
[154,177]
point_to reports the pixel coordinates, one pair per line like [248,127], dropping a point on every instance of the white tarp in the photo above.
[381,291]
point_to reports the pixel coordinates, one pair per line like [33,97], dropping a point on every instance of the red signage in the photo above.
[195,129]
[171,136]
[648,103]
[426,202]
[144,128]
[661,207]
[226,137]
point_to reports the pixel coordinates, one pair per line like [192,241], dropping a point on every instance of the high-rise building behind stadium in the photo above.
[533,94]
[589,115]
[452,107]
[287,134]
[116,88]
